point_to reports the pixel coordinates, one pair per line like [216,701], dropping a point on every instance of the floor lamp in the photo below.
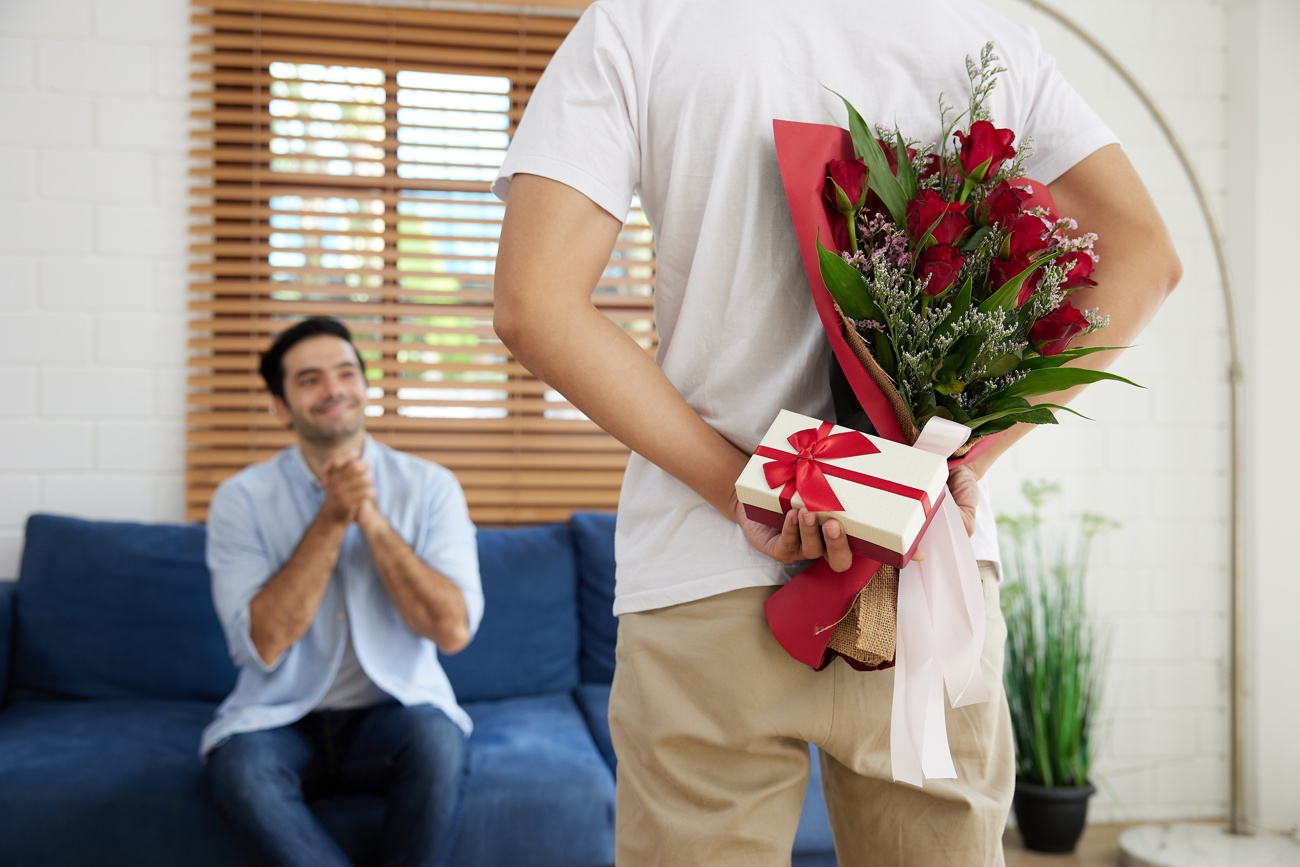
[1193,845]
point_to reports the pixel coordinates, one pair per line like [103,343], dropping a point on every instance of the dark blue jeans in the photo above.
[415,757]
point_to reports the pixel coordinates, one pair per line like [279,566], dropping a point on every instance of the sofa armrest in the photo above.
[8,614]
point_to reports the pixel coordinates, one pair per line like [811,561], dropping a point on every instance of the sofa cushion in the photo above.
[107,783]
[117,610]
[527,643]
[540,794]
[593,536]
[593,701]
[8,598]
[119,783]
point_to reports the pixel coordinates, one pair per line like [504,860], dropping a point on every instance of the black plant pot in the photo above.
[1051,819]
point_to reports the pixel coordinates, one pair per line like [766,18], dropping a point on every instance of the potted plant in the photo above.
[1053,671]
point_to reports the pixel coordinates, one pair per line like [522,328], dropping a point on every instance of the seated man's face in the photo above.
[324,390]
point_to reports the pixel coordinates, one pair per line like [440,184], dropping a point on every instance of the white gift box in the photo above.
[887,491]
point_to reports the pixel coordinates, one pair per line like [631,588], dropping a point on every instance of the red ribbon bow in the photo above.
[804,472]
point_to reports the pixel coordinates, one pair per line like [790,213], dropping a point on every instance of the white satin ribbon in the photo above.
[940,633]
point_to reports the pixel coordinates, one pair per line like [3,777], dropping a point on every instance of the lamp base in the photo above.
[1187,845]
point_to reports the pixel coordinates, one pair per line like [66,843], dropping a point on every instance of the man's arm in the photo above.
[555,242]
[430,604]
[1138,265]
[283,610]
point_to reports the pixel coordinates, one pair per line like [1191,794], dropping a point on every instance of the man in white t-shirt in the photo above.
[673,101]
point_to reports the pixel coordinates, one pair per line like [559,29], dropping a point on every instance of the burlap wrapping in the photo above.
[869,631]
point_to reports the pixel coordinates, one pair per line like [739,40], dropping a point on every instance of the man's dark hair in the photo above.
[272,366]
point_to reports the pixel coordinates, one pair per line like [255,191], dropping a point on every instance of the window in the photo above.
[342,163]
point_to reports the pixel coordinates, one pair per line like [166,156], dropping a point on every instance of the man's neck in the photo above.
[319,454]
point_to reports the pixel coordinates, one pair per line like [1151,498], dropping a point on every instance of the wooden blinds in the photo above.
[341,166]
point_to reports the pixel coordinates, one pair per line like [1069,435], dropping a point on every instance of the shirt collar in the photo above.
[302,474]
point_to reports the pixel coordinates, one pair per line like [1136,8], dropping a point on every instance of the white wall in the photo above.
[93,120]
[1263,87]
[92,352]
[1155,459]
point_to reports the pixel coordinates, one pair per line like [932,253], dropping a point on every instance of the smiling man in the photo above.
[339,569]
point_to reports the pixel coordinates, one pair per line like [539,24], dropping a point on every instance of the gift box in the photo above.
[883,493]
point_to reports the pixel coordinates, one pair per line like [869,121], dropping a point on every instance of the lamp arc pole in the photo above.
[1237,546]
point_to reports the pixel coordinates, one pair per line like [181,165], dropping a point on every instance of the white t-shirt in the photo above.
[674,100]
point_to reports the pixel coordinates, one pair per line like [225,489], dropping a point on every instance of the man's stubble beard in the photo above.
[310,430]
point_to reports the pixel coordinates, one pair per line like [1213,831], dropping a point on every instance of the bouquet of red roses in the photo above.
[945,297]
[953,272]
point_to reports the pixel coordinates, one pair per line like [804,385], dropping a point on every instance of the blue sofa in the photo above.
[112,662]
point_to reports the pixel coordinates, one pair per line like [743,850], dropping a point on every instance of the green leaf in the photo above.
[1038,362]
[1025,412]
[1005,298]
[934,412]
[955,412]
[1002,365]
[879,178]
[972,243]
[961,301]
[883,349]
[847,286]
[906,176]
[994,422]
[961,358]
[1052,380]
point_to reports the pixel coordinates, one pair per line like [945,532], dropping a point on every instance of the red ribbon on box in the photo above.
[805,473]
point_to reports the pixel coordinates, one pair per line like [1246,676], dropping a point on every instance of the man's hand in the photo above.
[963,485]
[348,485]
[798,539]
[369,518]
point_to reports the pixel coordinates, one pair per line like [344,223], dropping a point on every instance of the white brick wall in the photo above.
[92,260]
[92,351]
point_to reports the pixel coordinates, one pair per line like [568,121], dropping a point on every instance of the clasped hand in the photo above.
[349,490]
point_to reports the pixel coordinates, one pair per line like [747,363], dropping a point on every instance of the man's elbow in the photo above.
[1173,271]
[452,640]
[507,321]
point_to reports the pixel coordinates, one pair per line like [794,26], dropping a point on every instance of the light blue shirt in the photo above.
[255,522]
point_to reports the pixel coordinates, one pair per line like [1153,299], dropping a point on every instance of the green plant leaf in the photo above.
[1005,297]
[1002,365]
[1026,413]
[906,175]
[883,349]
[955,412]
[847,286]
[972,243]
[1042,361]
[1047,381]
[879,178]
[996,421]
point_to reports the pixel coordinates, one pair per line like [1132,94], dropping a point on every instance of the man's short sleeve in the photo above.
[1064,128]
[450,543]
[580,127]
[240,566]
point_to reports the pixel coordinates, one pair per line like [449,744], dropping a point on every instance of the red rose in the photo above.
[1002,205]
[1081,272]
[985,149]
[846,185]
[1003,271]
[930,212]
[1051,334]
[941,263]
[1029,235]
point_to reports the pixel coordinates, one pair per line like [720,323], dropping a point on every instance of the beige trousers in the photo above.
[710,718]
